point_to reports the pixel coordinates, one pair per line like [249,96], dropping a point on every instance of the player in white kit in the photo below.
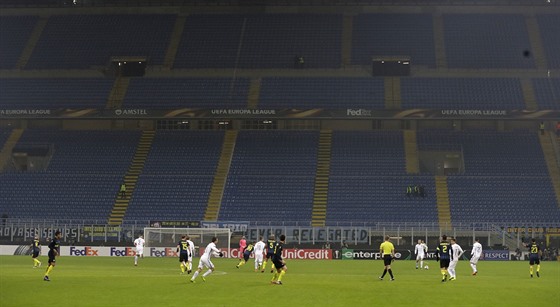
[211,250]
[456,253]
[139,244]
[476,253]
[259,254]
[191,253]
[420,252]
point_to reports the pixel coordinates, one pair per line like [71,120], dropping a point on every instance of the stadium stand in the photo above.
[14,33]
[260,41]
[82,41]
[334,93]
[81,180]
[393,35]
[547,93]
[4,135]
[462,93]
[548,28]
[486,41]
[51,93]
[187,92]
[177,176]
[271,177]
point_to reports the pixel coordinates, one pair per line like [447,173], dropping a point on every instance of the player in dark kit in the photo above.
[278,262]
[270,244]
[443,255]
[534,257]
[54,250]
[183,250]
[246,254]
[35,252]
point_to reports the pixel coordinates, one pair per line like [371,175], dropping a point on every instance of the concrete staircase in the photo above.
[218,186]
[131,177]
[176,35]
[529,94]
[6,152]
[551,163]
[439,42]
[443,203]
[118,92]
[32,42]
[254,93]
[536,42]
[411,152]
[320,194]
[346,51]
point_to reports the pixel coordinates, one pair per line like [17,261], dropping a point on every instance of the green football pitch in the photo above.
[104,281]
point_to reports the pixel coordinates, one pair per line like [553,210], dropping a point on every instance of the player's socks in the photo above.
[49,269]
[421,264]
[182,268]
[275,277]
[264,266]
[390,273]
[531,271]
[241,263]
[384,272]
[135,260]
[282,273]
[207,273]
[538,267]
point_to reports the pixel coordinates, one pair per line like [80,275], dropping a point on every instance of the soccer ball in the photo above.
[426,267]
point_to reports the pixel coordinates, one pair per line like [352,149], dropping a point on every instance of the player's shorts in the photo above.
[534,260]
[474,259]
[183,257]
[205,262]
[269,255]
[278,264]
[387,259]
[139,251]
[444,263]
[246,256]
[35,254]
[259,258]
[52,258]
[419,257]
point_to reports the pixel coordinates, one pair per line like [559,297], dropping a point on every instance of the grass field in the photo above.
[104,281]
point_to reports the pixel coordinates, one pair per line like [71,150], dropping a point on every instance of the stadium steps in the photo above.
[131,177]
[551,163]
[346,51]
[254,93]
[529,94]
[176,35]
[411,152]
[118,92]
[443,203]
[220,178]
[536,42]
[392,90]
[320,194]
[439,41]
[6,152]
[32,42]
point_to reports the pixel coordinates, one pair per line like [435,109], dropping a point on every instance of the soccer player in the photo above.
[246,254]
[139,244]
[420,252]
[36,251]
[443,255]
[534,257]
[54,250]
[259,254]
[205,260]
[387,251]
[242,246]
[183,250]
[476,253]
[270,244]
[456,253]
[190,256]
[279,263]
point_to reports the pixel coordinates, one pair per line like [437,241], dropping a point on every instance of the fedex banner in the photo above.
[100,251]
